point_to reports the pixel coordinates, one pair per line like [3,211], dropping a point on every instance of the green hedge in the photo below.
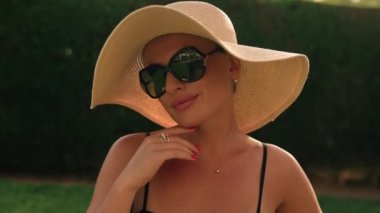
[49,49]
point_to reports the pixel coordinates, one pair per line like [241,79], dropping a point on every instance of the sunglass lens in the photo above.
[189,71]
[152,80]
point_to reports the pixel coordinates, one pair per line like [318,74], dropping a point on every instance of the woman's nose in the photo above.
[172,84]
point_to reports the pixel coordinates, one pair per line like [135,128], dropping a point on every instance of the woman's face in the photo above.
[211,97]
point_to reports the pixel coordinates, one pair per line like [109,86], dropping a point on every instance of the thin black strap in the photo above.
[146,193]
[262,176]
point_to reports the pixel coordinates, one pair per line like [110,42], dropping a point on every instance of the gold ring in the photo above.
[164,138]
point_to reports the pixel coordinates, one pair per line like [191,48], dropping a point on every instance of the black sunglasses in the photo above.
[187,65]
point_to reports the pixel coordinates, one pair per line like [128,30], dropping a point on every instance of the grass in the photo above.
[348,205]
[20,197]
[26,197]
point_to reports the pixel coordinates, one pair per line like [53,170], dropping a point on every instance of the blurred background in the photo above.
[47,131]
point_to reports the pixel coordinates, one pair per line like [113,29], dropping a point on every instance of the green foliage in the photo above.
[49,52]
[49,49]
[18,197]
[335,121]
[334,204]
[351,3]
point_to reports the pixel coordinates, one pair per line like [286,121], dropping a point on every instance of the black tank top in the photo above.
[262,177]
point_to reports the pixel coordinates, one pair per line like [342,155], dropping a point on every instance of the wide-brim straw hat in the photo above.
[269,80]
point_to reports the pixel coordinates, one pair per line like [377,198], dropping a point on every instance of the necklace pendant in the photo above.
[217,171]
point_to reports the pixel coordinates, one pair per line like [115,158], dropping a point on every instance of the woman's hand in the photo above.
[132,162]
[153,152]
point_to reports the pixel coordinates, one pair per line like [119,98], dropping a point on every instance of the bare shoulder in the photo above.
[117,158]
[119,155]
[127,144]
[284,166]
[279,161]
[290,182]
[286,162]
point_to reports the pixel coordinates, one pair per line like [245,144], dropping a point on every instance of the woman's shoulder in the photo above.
[289,179]
[280,163]
[117,158]
[284,164]
[128,142]
[275,154]
[280,155]
[121,151]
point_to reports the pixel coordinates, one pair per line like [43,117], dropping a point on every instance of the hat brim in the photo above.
[269,80]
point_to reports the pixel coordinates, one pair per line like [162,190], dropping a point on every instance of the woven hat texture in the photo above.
[269,80]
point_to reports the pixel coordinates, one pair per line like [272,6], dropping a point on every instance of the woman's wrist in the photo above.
[119,199]
[126,184]
[125,187]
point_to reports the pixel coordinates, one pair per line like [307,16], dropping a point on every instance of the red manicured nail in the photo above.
[195,157]
[193,129]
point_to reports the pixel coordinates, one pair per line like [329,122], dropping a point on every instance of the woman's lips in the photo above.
[183,103]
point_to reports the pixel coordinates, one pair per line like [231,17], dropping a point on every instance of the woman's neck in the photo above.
[218,138]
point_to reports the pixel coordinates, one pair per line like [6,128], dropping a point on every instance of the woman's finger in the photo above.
[174,146]
[168,154]
[177,139]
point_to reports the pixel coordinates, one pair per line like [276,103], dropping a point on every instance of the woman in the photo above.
[180,66]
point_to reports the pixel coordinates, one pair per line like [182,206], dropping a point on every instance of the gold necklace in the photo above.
[216,170]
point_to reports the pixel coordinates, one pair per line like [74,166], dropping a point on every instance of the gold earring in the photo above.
[234,85]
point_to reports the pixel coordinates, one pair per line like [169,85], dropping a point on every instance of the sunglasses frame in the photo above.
[167,69]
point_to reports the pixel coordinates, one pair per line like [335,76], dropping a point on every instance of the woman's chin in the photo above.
[188,124]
